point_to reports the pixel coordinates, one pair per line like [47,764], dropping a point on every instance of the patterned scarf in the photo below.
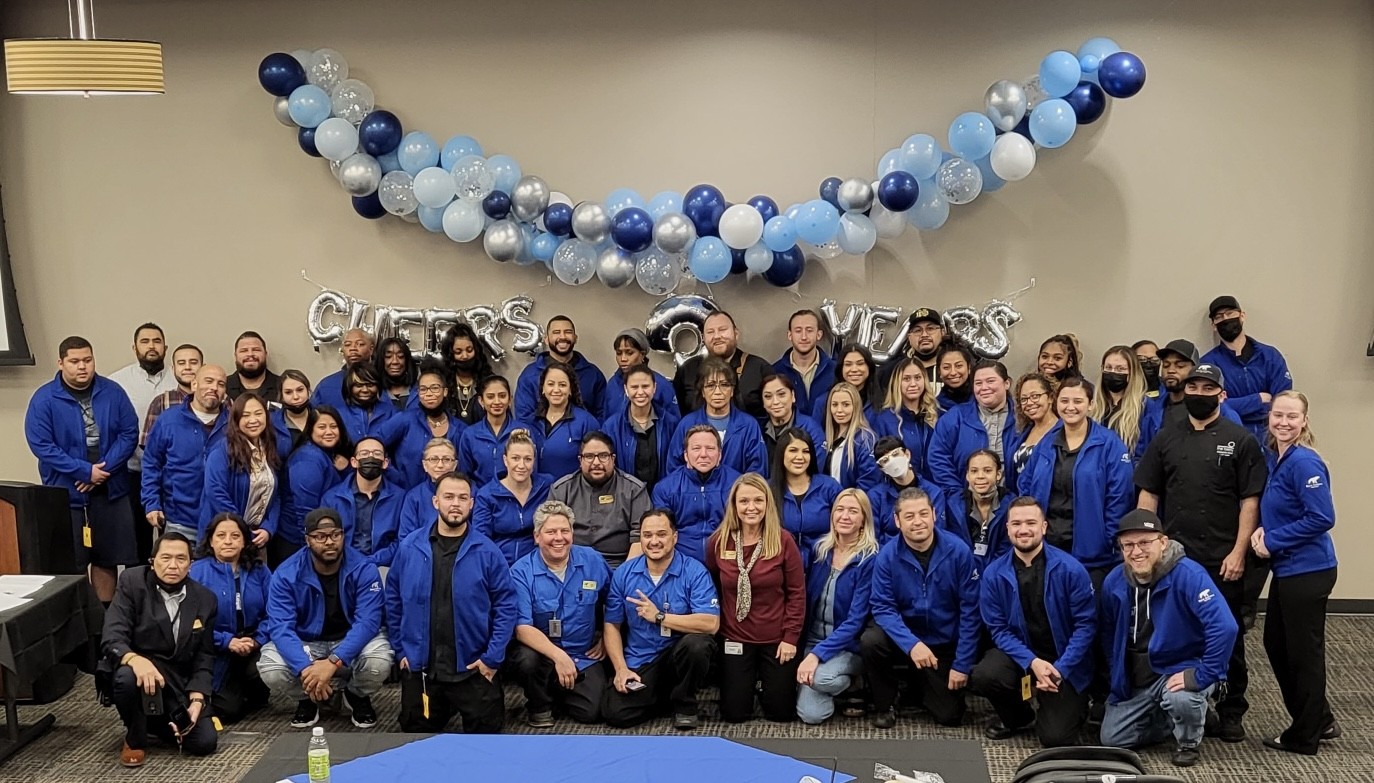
[744,593]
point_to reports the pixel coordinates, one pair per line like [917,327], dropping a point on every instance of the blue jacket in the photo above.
[685,588]
[576,600]
[821,380]
[698,505]
[374,423]
[386,517]
[310,473]
[914,433]
[174,463]
[1296,513]
[743,450]
[883,499]
[1069,603]
[1103,489]
[851,603]
[1152,420]
[329,391]
[958,434]
[994,542]
[417,509]
[250,589]
[622,432]
[806,424]
[57,436]
[295,606]
[410,431]
[1193,627]
[808,518]
[938,607]
[1266,371]
[591,382]
[226,489]
[861,473]
[483,601]
[481,452]
[559,447]
[497,515]
[615,399]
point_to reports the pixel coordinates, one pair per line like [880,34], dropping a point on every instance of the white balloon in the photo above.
[463,221]
[890,224]
[336,138]
[434,187]
[741,226]
[1013,157]
[857,234]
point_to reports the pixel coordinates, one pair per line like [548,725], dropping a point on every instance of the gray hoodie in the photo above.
[1141,591]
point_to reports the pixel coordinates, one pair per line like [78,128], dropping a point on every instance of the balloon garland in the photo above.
[458,190]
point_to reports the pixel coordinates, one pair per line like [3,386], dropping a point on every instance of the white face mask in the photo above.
[896,466]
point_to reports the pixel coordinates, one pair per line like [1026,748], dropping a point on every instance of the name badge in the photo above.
[86,536]
[734,648]
[1026,688]
[197,625]
[606,500]
[589,585]
[238,602]
[980,549]
[555,628]
[729,555]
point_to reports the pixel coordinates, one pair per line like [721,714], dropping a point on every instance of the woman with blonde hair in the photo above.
[909,411]
[762,585]
[1296,517]
[1120,400]
[849,439]
[503,509]
[837,583]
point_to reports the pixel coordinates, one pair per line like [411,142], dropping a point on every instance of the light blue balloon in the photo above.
[758,258]
[889,162]
[664,202]
[857,234]
[623,198]
[1092,51]
[1059,74]
[526,255]
[456,149]
[921,156]
[390,162]
[991,182]
[710,260]
[433,187]
[463,220]
[792,212]
[779,233]
[418,150]
[543,245]
[971,134]
[931,210]
[308,106]
[817,222]
[505,172]
[1052,123]
[432,219]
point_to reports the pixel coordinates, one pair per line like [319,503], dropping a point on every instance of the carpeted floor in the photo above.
[84,744]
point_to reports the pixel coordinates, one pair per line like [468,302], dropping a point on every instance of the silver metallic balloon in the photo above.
[964,323]
[591,222]
[841,330]
[515,315]
[615,267]
[674,233]
[879,336]
[352,100]
[326,69]
[529,198]
[997,319]
[1006,104]
[281,109]
[896,345]
[503,240]
[360,174]
[437,323]
[485,322]
[327,300]
[855,195]
[959,181]
[674,317]
[400,324]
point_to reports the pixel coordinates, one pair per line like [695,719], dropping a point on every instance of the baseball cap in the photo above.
[322,518]
[1139,519]
[636,336]
[1222,303]
[1207,372]
[1183,348]
[926,314]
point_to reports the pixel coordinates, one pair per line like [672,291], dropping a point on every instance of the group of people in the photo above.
[817,534]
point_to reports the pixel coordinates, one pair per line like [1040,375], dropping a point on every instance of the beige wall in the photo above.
[1243,168]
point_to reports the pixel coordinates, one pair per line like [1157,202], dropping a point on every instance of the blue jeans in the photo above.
[1151,714]
[816,702]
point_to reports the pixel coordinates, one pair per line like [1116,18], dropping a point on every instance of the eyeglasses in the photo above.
[718,385]
[325,538]
[439,460]
[431,389]
[370,455]
[1032,397]
[1127,546]
[604,456]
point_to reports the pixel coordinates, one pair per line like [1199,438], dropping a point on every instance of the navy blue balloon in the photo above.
[1121,75]
[379,133]
[558,219]
[787,267]
[306,138]
[765,206]
[632,229]
[369,206]
[898,191]
[830,191]
[703,205]
[1088,102]
[279,73]
[496,204]
[1023,127]
[737,265]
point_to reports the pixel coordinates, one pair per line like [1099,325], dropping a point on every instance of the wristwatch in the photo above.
[336,660]
[658,618]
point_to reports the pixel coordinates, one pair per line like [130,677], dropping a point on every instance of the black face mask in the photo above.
[1229,329]
[465,365]
[370,468]
[1114,382]
[296,410]
[959,394]
[166,587]
[1201,406]
[1151,376]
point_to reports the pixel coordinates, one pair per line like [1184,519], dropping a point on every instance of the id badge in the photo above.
[1026,688]
[238,602]
[734,648]
[979,550]
[555,628]
[664,631]
[86,536]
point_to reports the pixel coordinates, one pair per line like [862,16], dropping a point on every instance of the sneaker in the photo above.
[307,714]
[1185,757]
[543,719]
[1232,729]
[364,715]
[685,722]
[997,730]
[885,719]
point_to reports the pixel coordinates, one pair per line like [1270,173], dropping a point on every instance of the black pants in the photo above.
[535,674]
[278,549]
[1295,639]
[480,702]
[755,663]
[128,699]
[1233,703]
[1256,575]
[1059,716]
[881,659]
[670,680]
[143,532]
[243,691]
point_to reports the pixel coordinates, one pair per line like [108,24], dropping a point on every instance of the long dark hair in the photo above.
[479,353]
[345,444]
[240,448]
[574,392]
[866,390]
[248,557]
[408,373]
[778,474]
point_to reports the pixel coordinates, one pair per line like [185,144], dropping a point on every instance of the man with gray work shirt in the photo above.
[607,503]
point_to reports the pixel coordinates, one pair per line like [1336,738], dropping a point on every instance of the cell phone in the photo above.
[180,720]
[152,704]
[634,685]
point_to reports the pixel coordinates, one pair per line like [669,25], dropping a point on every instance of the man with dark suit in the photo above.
[159,646]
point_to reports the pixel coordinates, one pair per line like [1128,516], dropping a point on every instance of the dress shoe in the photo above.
[132,758]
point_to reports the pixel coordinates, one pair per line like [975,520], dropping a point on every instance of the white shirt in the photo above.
[142,389]
[172,602]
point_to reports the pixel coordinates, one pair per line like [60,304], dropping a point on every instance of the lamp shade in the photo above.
[70,66]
